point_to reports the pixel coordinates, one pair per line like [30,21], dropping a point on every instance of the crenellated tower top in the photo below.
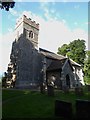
[31,27]
[27,21]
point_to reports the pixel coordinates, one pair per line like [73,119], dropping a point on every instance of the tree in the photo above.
[6,4]
[63,50]
[75,50]
[4,80]
[87,67]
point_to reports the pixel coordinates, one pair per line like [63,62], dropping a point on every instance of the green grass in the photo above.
[7,94]
[28,104]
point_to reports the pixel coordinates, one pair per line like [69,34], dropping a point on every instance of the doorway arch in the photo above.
[68,80]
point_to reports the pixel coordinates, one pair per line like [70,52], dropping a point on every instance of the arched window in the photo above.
[31,35]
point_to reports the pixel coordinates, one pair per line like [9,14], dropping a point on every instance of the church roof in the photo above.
[56,64]
[74,63]
[52,55]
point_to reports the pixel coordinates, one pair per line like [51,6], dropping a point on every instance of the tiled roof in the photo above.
[52,55]
[74,63]
[56,64]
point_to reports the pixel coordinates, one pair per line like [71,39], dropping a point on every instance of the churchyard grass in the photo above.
[29,104]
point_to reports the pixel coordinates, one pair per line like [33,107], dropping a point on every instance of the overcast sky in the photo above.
[60,23]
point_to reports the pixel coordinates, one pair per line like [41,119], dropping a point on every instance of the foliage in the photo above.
[87,67]
[63,50]
[6,4]
[75,50]
[4,80]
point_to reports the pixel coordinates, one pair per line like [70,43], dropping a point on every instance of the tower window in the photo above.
[31,35]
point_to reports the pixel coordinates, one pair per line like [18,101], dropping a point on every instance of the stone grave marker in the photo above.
[79,91]
[82,109]
[50,90]
[65,89]
[88,87]
[42,88]
[63,109]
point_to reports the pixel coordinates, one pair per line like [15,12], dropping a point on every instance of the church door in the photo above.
[68,80]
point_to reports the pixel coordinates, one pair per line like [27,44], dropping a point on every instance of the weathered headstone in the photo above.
[88,87]
[50,90]
[63,109]
[79,91]
[65,89]
[82,109]
[42,88]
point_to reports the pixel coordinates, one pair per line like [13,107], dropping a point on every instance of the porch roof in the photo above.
[56,65]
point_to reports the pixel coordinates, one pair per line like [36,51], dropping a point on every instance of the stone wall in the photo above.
[78,74]
[67,70]
[27,62]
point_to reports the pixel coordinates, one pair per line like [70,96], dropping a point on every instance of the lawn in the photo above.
[33,104]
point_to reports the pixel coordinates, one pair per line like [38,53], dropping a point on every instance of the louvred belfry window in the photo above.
[31,34]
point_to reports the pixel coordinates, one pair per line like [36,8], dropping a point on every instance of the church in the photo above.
[31,66]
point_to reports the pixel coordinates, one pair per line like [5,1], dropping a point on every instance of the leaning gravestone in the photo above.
[82,109]
[50,90]
[63,109]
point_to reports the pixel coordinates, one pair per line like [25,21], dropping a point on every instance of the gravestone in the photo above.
[65,89]
[88,87]
[82,109]
[79,91]
[50,90]
[42,88]
[63,109]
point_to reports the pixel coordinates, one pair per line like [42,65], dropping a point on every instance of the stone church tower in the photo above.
[24,55]
[31,27]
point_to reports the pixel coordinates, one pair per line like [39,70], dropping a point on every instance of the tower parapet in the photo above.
[32,29]
[27,21]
